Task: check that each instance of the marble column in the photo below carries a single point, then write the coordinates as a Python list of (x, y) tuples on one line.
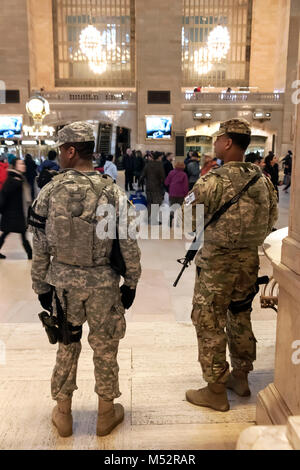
[(158, 65), (282, 398)]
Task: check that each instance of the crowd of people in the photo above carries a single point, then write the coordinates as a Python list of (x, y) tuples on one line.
[(270, 166), (154, 172), (18, 188)]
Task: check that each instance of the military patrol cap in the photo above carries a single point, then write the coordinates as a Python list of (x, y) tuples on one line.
[(80, 131), (235, 126)]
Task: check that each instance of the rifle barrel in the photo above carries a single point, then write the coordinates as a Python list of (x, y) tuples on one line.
[(180, 274)]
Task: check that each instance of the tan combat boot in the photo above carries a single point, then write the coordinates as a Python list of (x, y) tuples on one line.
[(62, 417), (238, 382), (109, 416), (213, 396)]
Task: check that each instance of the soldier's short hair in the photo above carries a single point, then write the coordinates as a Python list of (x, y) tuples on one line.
[(84, 149), (240, 140)]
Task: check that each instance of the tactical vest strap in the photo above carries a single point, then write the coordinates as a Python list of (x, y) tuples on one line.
[(36, 220)]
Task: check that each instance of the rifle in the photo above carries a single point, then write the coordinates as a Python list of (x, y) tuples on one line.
[(191, 253), (187, 260)]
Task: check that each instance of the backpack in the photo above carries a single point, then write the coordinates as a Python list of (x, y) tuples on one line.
[(72, 220)]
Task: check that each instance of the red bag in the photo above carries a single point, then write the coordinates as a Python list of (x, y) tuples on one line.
[(3, 173)]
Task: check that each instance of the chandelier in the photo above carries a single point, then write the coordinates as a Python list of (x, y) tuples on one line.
[(99, 49), (91, 49), (90, 41), (201, 61), (218, 43), (215, 50)]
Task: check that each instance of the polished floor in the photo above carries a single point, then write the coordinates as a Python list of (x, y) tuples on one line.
[(157, 358)]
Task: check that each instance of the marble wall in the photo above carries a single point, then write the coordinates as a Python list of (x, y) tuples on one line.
[(269, 44), (40, 32), (158, 63), (14, 52)]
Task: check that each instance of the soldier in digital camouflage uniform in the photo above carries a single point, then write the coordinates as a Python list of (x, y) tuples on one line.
[(227, 266), (68, 254)]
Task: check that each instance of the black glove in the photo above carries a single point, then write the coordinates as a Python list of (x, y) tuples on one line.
[(46, 300), (127, 296)]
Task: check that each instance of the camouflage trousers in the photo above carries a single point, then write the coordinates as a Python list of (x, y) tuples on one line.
[(104, 313), (222, 279)]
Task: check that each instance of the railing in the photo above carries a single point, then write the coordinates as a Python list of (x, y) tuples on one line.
[(263, 98), (90, 97)]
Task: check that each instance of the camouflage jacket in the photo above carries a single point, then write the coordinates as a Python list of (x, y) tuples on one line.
[(246, 224), (47, 266)]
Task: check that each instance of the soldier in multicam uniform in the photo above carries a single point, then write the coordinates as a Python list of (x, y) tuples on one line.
[(68, 255), (227, 266)]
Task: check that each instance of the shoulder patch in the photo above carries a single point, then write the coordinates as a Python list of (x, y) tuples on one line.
[(189, 199)]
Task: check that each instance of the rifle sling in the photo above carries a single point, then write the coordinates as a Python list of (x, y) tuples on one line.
[(232, 201)]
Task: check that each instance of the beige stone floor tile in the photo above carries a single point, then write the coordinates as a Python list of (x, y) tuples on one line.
[(25, 418), (221, 436), (153, 296), (161, 400)]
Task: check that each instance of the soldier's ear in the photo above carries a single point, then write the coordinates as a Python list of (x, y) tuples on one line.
[(228, 144), (71, 152)]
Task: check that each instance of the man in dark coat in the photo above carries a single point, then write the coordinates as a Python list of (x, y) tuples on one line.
[(193, 169), (168, 163), (155, 175), (31, 173), (13, 199), (128, 163), (139, 164)]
